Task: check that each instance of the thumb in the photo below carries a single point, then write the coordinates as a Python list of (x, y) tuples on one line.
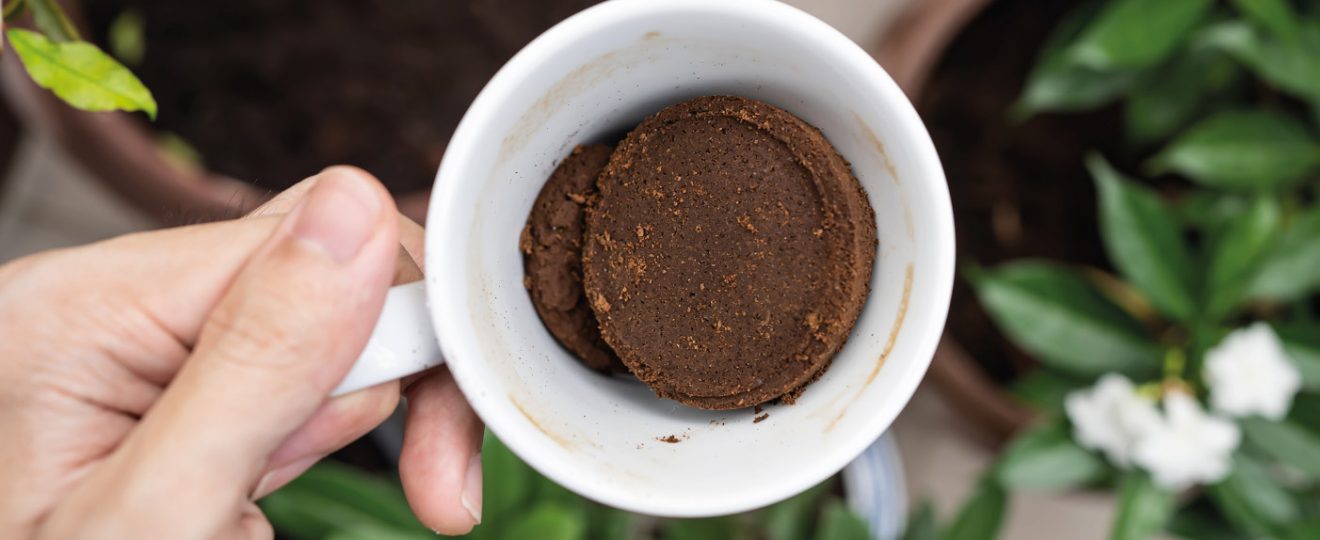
[(284, 334)]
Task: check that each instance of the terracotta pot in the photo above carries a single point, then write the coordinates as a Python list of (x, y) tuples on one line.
[(120, 152), (910, 52)]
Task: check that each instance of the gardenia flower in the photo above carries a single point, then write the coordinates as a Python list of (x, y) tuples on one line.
[(1111, 417), (1188, 446), (1249, 373)]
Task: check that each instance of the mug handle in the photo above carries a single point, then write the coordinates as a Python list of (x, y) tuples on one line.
[(402, 343)]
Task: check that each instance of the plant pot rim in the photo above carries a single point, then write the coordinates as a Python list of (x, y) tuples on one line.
[(910, 52)]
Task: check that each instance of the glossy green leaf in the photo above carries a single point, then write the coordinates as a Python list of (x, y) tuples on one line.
[(1301, 340), (1252, 500), (1167, 99), (1288, 271), (1287, 65), (507, 481), (333, 497), (921, 523), (546, 521), (1237, 254), (1143, 508), (1137, 33), (1060, 318), (1143, 240), (837, 522), (369, 494), (1287, 442), (1045, 457), (1243, 150), (1058, 83), (80, 74), (791, 519), (981, 515), (1046, 389), (1277, 16)]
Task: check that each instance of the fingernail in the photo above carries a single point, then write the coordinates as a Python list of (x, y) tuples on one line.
[(339, 215), (275, 479), (471, 496)]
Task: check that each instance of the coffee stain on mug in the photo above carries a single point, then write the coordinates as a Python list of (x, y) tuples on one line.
[(575, 82), (566, 443), (888, 164), (889, 344)]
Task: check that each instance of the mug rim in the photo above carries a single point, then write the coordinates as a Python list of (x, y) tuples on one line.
[(459, 348)]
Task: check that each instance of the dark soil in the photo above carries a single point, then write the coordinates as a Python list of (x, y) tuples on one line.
[(1019, 190), (271, 91)]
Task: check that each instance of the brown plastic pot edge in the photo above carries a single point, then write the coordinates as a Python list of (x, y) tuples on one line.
[(909, 52)]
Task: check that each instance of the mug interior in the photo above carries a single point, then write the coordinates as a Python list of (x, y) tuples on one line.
[(591, 79)]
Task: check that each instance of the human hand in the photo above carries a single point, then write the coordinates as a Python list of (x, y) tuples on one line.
[(154, 385)]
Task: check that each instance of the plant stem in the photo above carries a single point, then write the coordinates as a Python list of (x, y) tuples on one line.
[(14, 8), (52, 21), (1175, 362)]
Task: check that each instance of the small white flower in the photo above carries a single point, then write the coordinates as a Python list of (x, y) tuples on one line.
[(1249, 373), (1111, 417), (1188, 447)]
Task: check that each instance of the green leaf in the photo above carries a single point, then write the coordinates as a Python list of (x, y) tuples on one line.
[(1055, 315), (332, 497), (1243, 150), (80, 74), (1143, 240), (1306, 411), (921, 523), (1273, 15), (791, 519), (1045, 457), (1301, 340), (1287, 65), (1045, 389), (1304, 530), (981, 515), (52, 21), (507, 481), (1286, 442), (606, 523), (1167, 99), (1057, 83), (1143, 508), (374, 532), (1237, 253), (1289, 269), (1252, 500), (372, 495), (720, 528), (837, 522), (1209, 209), (1137, 33), (547, 521)]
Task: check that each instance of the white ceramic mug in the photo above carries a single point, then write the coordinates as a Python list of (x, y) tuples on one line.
[(592, 78)]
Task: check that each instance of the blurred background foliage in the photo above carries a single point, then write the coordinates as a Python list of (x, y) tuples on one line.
[(338, 501), (1217, 229)]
